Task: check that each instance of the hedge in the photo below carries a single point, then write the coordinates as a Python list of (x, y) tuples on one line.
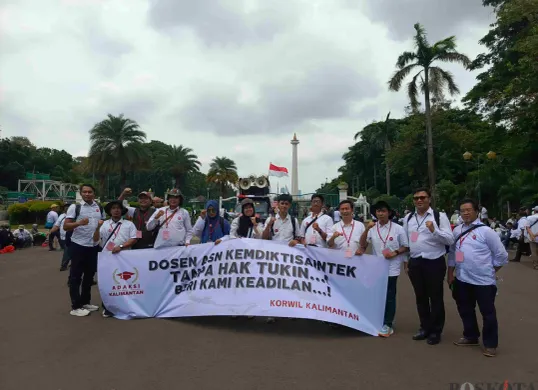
[(33, 211)]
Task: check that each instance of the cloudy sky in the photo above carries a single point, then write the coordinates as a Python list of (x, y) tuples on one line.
[(231, 78)]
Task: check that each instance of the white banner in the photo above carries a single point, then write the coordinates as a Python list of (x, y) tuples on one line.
[(246, 277)]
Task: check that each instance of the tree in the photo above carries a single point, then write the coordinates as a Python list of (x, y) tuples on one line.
[(116, 146), (433, 80), (177, 161), (223, 173)]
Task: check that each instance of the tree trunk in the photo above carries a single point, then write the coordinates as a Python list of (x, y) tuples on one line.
[(387, 166), (429, 137), (123, 178), (375, 176)]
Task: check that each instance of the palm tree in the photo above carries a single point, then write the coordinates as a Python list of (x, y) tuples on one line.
[(223, 173), (380, 138), (116, 146), (433, 80), (177, 161)]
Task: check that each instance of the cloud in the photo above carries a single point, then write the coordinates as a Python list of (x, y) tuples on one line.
[(223, 21), (441, 18)]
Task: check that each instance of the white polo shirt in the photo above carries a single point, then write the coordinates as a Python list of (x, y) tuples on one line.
[(428, 245), (351, 235), (176, 231), (60, 224), (123, 233), (390, 236), (83, 235), (283, 228), (307, 231)]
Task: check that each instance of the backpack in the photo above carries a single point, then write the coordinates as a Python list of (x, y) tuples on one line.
[(436, 217), (77, 213), (294, 222)]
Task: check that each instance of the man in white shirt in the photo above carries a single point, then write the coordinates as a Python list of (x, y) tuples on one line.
[(116, 234), (282, 227), (523, 243), (52, 217), (315, 226), (59, 226), (388, 240), (82, 220), (23, 238), (429, 233), (532, 236), (173, 222), (337, 216), (483, 214), (346, 234), (476, 256)]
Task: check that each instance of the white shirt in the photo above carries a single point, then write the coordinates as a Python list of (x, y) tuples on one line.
[(428, 245), (251, 233), (312, 237), (390, 236), (176, 231), (124, 232), (484, 213), (24, 234), (60, 224), (52, 217), (283, 228), (522, 227), (482, 251), (351, 233), (533, 219), (83, 235)]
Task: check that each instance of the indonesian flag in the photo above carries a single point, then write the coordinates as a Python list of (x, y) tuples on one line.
[(277, 171)]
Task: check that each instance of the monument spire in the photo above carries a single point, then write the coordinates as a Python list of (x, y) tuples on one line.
[(294, 167)]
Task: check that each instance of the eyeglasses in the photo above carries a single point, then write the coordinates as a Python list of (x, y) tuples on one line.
[(211, 211), (420, 197)]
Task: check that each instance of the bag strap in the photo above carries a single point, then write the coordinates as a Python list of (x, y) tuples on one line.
[(467, 231), (311, 223), (535, 222), (113, 231)]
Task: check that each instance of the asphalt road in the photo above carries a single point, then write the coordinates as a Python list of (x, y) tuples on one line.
[(42, 347)]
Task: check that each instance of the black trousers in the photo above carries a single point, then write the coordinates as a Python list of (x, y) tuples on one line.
[(467, 296), (427, 277), (390, 304), (82, 271), (51, 239), (522, 247)]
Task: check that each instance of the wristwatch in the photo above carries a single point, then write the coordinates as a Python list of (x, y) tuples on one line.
[(121, 246)]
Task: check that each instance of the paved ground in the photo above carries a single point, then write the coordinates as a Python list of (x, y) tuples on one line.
[(42, 347)]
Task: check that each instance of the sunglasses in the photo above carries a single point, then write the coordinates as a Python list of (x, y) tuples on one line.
[(420, 197)]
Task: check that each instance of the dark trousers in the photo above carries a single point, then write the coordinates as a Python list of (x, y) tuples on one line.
[(522, 247), (82, 271), (51, 238), (427, 277), (65, 257), (467, 296), (390, 304)]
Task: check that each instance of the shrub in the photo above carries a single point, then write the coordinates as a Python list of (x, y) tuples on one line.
[(34, 211), (18, 213), (134, 204)]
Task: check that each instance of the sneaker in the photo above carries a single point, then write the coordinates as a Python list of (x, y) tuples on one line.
[(90, 307), (386, 331), (80, 312), (490, 352), (107, 314), (270, 320)]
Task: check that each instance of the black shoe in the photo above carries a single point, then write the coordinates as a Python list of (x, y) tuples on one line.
[(434, 339), (94, 283), (63, 269), (420, 335)]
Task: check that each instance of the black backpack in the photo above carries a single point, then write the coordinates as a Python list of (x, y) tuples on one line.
[(293, 223), (70, 233), (436, 217)]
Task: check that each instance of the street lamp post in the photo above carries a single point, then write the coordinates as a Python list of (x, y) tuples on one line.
[(467, 156)]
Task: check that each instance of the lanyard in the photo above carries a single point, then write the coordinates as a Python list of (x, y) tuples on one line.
[(166, 218), (115, 231), (423, 219), (463, 237), (388, 234), (350, 235), (141, 220)]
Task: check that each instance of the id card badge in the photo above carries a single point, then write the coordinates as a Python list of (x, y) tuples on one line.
[(386, 251), (459, 257), (414, 236), (110, 246), (138, 234), (166, 234), (312, 240), (349, 253)]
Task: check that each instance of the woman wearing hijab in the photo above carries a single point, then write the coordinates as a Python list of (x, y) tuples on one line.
[(210, 226), (247, 225)]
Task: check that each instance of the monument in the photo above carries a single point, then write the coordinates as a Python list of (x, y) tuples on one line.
[(294, 167)]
